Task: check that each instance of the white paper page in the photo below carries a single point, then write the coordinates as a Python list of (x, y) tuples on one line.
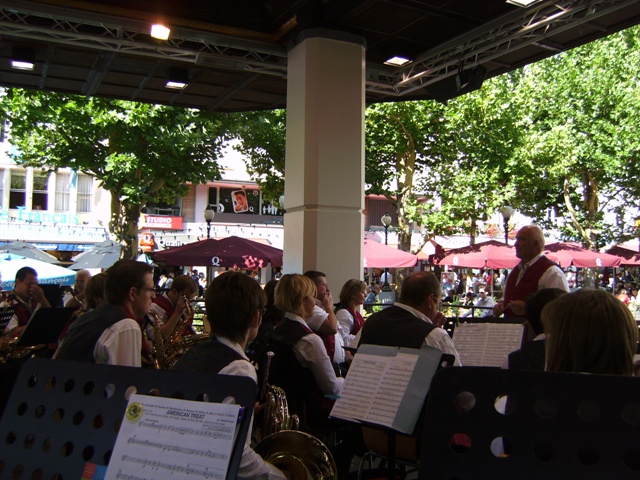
[(178, 439), (374, 388), (486, 344)]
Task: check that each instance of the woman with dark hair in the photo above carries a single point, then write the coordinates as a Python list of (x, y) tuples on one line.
[(350, 320)]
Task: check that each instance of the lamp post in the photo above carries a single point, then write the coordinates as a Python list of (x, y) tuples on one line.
[(209, 214), (506, 212), (386, 223)]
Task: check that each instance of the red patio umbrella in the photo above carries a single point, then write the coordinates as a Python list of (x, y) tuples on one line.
[(377, 255), (566, 254), (227, 252), (490, 254), (630, 258)]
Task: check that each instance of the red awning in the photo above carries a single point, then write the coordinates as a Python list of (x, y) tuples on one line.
[(377, 255)]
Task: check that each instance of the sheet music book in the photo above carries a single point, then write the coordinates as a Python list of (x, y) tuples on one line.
[(487, 344), (6, 314), (387, 386), (171, 438), (45, 325)]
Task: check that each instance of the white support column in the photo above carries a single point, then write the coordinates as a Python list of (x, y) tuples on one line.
[(324, 173)]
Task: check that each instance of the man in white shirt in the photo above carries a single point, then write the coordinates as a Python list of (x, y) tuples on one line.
[(111, 334), (414, 320), (237, 303)]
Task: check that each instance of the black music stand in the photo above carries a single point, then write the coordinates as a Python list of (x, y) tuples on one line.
[(557, 425), (45, 326), (6, 314), (63, 417)]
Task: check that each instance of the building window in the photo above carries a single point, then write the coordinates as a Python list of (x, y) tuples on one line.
[(62, 192), (85, 193), (40, 191), (18, 192)]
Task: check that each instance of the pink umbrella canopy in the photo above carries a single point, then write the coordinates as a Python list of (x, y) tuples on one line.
[(490, 254), (227, 252), (629, 258), (566, 254), (377, 255)]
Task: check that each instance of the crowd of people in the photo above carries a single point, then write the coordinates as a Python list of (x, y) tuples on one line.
[(314, 336)]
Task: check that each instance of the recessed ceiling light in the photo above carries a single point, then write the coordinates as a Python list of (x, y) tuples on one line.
[(175, 85), (522, 3), (177, 78), (397, 61), (160, 31), (23, 58), (21, 65)]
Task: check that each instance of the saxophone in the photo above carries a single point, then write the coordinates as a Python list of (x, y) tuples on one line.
[(158, 354), (178, 343)]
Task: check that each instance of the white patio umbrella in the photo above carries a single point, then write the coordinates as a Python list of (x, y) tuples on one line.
[(101, 255), (47, 272), (28, 250)]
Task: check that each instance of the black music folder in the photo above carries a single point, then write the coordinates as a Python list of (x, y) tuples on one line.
[(45, 326), (6, 313)]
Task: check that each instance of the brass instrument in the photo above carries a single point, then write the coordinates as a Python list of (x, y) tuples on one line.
[(299, 454), (276, 412), (9, 351), (167, 352)]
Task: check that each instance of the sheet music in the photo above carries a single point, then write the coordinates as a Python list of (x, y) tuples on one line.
[(486, 344), (387, 386), (169, 438)]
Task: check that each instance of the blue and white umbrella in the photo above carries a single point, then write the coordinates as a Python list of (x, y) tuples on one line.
[(47, 273), (27, 250)]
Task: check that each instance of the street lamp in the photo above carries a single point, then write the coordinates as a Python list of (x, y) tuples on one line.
[(386, 223), (209, 213), (506, 212)]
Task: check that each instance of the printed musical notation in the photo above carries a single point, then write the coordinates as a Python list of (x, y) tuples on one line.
[(487, 344), (164, 437), (386, 386)]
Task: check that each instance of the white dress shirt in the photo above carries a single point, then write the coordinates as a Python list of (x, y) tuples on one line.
[(311, 354), (252, 466), (437, 338)]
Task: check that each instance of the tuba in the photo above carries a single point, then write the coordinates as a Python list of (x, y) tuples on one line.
[(276, 410), (300, 455)]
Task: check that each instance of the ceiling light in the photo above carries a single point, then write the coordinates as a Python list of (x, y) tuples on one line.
[(177, 78), (160, 31), (522, 3), (397, 61), (23, 59)]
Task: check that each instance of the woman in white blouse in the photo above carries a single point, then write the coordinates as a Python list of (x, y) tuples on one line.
[(350, 319)]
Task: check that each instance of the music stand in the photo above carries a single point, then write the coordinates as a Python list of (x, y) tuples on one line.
[(6, 314), (45, 326), (556, 425), (63, 417)]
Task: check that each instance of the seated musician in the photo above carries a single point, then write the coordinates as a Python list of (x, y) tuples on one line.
[(301, 365), (110, 334), (170, 308), (27, 295), (236, 302), (75, 298), (414, 320)]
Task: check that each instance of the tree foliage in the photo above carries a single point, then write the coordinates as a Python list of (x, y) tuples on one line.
[(581, 153), (138, 152)]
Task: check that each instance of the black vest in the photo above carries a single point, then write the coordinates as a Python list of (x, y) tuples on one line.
[(210, 356), (298, 383), (395, 327), (80, 341)]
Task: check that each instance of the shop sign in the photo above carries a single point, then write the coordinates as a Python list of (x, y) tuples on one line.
[(39, 216), (161, 222)]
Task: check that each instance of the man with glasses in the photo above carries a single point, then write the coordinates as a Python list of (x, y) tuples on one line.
[(412, 321), (237, 304), (111, 334)]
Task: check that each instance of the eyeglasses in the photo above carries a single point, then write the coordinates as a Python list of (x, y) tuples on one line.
[(148, 289)]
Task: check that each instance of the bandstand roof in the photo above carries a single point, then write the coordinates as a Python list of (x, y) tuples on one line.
[(235, 51)]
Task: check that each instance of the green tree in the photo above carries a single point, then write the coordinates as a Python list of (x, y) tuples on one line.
[(582, 153), (262, 139), (138, 152)]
